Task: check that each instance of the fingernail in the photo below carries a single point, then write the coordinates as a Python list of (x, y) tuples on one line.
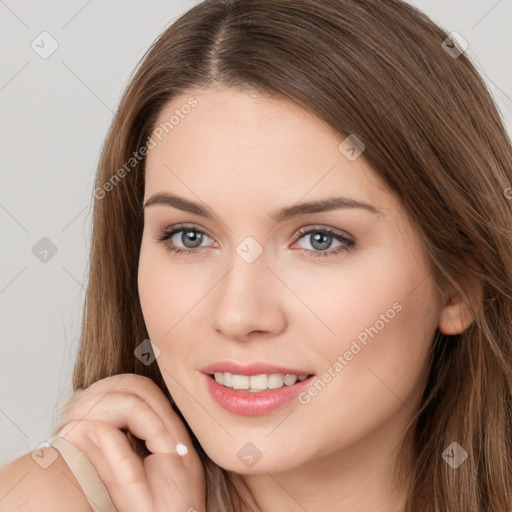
[(181, 449)]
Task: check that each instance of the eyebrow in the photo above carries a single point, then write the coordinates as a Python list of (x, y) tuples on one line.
[(281, 215)]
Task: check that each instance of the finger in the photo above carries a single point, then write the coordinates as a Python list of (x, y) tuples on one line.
[(117, 465), (147, 390), (126, 411), (173, 487)]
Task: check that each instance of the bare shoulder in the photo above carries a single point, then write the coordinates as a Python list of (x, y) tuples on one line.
[(27, 485)]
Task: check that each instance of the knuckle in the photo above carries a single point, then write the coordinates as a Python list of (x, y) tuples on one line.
[(125, 381), (135, 378), (133, 405), (141, 381)]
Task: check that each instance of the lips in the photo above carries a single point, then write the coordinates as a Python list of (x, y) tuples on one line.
[(245, 403), (255, 368)]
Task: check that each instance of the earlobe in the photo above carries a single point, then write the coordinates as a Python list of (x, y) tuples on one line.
[(455, 319), (457, 315)]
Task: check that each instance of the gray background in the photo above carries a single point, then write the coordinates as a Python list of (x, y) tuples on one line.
[(54, 114)]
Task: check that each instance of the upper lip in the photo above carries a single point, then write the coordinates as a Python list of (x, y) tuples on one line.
[(255, 368)]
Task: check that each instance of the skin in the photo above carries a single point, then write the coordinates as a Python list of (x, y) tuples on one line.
[(245, 155), (94, 421)]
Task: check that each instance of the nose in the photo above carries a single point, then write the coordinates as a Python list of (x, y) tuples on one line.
[(248, 301)]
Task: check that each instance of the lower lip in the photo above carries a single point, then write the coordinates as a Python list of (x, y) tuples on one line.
[(246, 403)]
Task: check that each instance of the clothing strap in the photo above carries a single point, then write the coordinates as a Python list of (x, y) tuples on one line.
[(93, 487)]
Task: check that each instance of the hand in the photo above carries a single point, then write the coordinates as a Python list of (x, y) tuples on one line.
[(162, 481)]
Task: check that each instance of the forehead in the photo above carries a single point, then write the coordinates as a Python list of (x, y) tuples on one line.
[(247, 148)]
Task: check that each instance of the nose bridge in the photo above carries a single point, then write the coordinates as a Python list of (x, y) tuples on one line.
[(247, 279), (247, 299)]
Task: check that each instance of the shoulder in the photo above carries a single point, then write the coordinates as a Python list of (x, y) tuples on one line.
[(48, 484)]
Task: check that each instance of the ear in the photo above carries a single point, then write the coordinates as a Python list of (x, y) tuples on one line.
[(457, 315)]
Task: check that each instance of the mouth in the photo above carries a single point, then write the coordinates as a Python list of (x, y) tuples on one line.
[(257, 383), (251, 395)]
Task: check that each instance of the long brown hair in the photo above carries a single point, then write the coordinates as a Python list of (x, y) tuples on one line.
[(380, 70)]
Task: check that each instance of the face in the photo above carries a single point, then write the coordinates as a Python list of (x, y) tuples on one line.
[(342, 293)]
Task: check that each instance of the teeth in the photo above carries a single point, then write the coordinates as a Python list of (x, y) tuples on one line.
[(290, 379), (258, 381), (275, 380), (228, 379), (255, 383), (240, 382)]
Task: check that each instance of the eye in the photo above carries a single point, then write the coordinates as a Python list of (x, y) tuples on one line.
[(323, 238), (192, 237)]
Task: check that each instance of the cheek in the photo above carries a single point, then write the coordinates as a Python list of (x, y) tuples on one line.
[(376, 290), (379, 305), (153, 293), (166, 291), (171, 303), (384, 319)]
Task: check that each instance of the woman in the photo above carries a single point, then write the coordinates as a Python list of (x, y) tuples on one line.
[(305, 206)]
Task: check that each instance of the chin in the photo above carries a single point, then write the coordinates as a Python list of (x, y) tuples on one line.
[(249, 460)]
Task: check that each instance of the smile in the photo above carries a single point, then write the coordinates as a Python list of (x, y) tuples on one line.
[(255, 402), (257, 383)]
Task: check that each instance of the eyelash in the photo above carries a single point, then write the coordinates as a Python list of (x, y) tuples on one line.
[(347, 244)]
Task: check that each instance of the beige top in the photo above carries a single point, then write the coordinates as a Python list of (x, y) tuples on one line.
[(93, 487)]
